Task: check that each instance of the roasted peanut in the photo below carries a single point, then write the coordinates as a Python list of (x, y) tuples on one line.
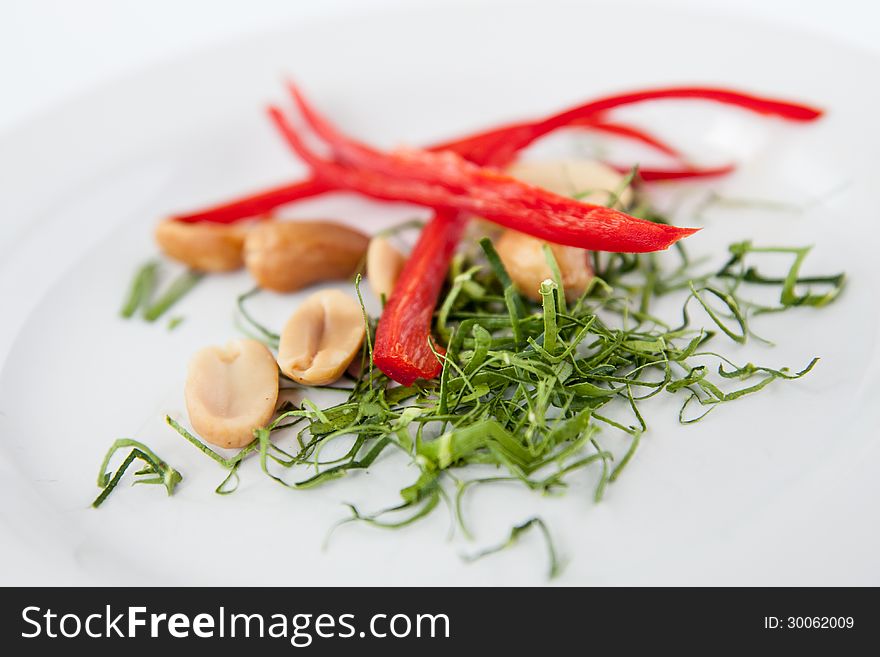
[(230, 391), (203, 246), (572, 178), (523, 257), (291, 255), (321, 338), (384, 262)]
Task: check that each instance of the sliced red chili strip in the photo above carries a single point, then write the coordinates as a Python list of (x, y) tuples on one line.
[(256, 204), (266, 201), (490, 194), (656, 175), (505, 142), (402, 349), (445, 180)]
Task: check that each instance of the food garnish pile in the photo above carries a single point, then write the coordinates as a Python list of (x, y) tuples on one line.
[(518, 330)]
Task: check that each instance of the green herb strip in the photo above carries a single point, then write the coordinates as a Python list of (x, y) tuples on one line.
[(141, 289), (161, 472), (179, 288)]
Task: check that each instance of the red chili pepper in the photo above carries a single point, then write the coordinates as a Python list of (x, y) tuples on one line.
[(505, 142), (257, 204), (402, 349), (445, 180), (500, 145), (657, 175), (402, 341), (264, 202)]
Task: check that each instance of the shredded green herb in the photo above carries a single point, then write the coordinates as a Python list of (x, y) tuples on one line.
[(528, 389), (514, 536), (155, 470), (251, 327)]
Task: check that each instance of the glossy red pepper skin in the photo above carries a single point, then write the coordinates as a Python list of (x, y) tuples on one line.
[(402, 349), (446, 180)]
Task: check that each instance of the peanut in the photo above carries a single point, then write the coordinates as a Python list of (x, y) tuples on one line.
[(321, 338), (384, 263), (203, 246), (230, 391), (573, 178), (523, 255), (289, 256)]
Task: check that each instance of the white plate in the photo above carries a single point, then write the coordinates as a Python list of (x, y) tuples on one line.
[(774, 489)]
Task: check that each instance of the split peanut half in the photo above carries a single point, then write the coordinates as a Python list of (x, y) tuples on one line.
[(230, 391), (321, 338), (291, 255)]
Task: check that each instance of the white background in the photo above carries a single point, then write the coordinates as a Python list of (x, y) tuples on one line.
[(52, 49)]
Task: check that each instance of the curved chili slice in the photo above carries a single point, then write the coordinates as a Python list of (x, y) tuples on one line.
[(649, 174), (506, 141), (402, 349)]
